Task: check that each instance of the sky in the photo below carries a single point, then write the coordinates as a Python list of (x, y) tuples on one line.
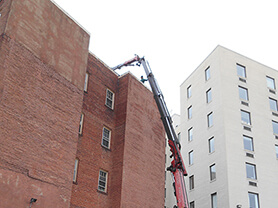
[(176, 36)]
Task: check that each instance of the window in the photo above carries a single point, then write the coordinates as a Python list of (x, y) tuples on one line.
[(276, 150), (102, 181), (86, 82), (207, 73), (245, 117), (248, 143), (191, 182), (106, 135), (241, 70), (190, 156), (189, 112), (81, 124), (109, 99), (179, 136), (208, 95), (270, 83), (211, 145), (192, 204), (214, 200), (189, 92), (253, 200), (75, 170), (243, 93), (210, 120), (212, 172), (273, 104), (190, 134), (251, 171), (275, 127)]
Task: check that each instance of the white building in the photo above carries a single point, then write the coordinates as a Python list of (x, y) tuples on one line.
[(229, 133)]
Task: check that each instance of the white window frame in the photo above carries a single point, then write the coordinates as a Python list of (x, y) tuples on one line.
[(250, 139), (189, 91), (207, 73), (241, 67), (269, 82), (252, 168), (211, 147), (209, 95), (109, 99), (275, 127), (212, 172), (191, 182), (242, 113), (256, 197), (86, 82), (75, 172), (210, 119), (190, 134), (103, 176), (105, 138), (213, 200), (190, 157), (275, 104), (81, 124), (189, 112), (245, 90)]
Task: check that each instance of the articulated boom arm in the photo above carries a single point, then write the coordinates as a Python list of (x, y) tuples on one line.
[(177, 167)]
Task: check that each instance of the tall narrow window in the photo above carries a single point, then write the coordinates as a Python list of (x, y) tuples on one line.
[(210, 119), (275, 127), (245, 117), (190, 156), (106, 135), (81, 124), (243, 93), (207, 73), (270, 83), (191, 182), (214, 200), (276, 150), (248, 143), (192, 204), (109, 99), (212, 171), (102, 181), (179, 136), (190, 134), (241, 70), (208, 95), (189, 92), (251, 171), (273, 104), (75, 170), (86, 82), (211, 145), (189, 112), (253, 200)]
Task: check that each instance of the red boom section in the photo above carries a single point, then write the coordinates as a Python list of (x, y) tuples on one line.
[(179, 184)]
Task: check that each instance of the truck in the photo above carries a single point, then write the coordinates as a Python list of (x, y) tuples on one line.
[(177, 167)]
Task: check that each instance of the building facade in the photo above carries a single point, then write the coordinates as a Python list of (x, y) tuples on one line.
[(229, 128), (73, 132)]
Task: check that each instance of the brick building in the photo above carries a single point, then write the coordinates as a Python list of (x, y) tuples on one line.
[(116, 156)]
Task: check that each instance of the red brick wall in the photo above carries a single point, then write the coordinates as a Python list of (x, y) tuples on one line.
[(40, 103), (144, 147), (51, 35), (135, 161), (91, 154)]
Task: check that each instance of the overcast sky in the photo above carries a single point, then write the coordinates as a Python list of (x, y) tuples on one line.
[(176, 36)]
